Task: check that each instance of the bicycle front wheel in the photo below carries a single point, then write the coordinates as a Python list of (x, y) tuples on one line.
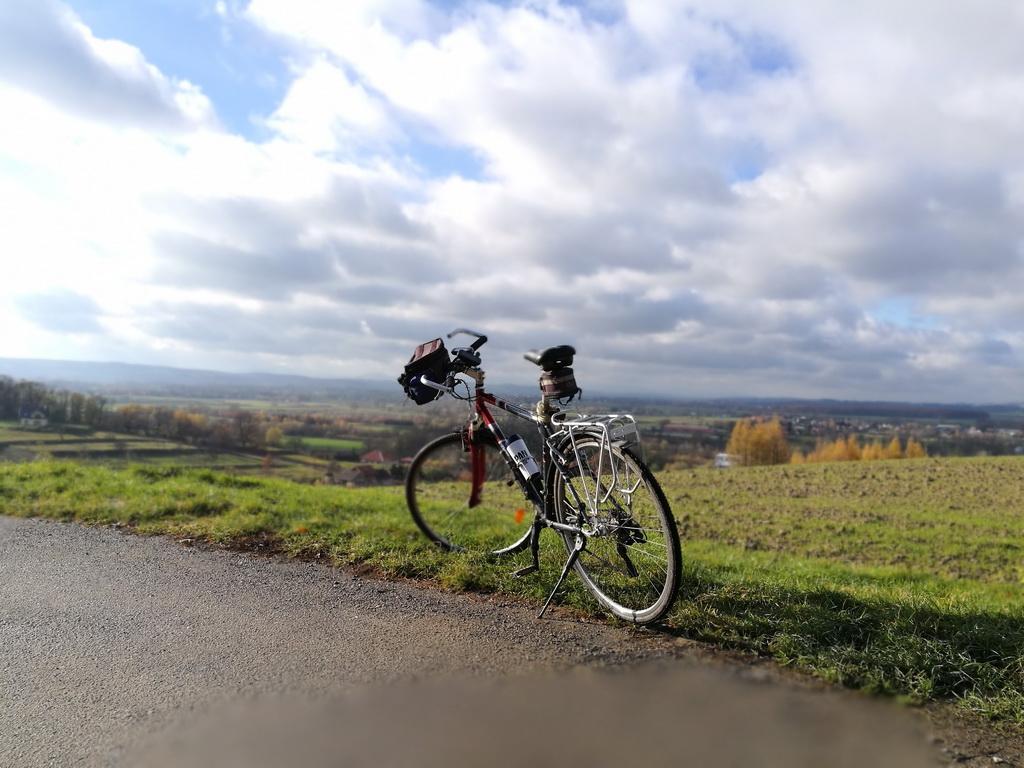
[(631, 558), (490, 515)]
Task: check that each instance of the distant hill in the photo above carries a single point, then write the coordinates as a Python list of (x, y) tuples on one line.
[(69, 373), (854, 409), (118, 378)]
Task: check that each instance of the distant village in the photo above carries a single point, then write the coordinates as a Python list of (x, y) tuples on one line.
[(933, 434)]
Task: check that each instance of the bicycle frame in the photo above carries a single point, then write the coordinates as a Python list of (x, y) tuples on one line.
[(481, 400), (613, 428)]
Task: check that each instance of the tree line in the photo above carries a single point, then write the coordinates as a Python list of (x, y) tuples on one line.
[(759, 443), (63, 406), (850, 449), (228, 428)]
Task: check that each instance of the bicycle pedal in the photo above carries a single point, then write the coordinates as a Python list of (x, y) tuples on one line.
[(526, 571)]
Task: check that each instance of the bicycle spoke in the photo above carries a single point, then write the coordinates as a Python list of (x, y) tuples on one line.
[(647, 554), (647, 557), (593, 555), (654, 584)]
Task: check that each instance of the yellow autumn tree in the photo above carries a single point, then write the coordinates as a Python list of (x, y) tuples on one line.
[(739, 441), (872, 452), (853, 452), (915, 450), (894, 451), (758, 444), (841, 449)]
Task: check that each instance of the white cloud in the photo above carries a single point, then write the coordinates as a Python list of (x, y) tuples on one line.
[(47, 50), (349, 121)]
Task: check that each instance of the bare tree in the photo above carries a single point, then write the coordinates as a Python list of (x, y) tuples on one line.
[(247, 428)]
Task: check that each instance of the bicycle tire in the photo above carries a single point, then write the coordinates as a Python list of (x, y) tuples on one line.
[(438, 489), (632, 527)]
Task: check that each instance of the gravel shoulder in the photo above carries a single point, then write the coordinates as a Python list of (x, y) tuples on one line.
[(120, 650)]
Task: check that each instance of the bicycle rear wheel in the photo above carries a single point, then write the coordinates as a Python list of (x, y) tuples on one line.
[(631, 559), (439, 488)]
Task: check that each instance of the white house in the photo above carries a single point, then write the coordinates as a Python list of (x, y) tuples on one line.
[(34, 416), (723, 460)]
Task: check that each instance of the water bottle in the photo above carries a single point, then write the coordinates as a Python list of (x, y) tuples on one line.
[(516, 446)]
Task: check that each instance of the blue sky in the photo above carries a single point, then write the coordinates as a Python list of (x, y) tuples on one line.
[(242, 70), (706, 197)]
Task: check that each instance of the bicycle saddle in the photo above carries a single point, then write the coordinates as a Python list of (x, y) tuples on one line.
[(552, 358)]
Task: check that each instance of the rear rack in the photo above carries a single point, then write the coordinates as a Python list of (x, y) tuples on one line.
[(620, 429), (614, 429)]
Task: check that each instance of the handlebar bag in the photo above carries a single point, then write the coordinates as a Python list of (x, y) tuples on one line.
[(430, 358)]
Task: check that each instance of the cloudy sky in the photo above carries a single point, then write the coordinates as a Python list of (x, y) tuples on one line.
[(705, 197)]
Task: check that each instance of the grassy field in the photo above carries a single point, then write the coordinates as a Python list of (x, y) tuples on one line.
[(327, 444), (111, 449), (900, 577)]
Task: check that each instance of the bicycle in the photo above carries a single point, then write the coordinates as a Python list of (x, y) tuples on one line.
[(466, 490)]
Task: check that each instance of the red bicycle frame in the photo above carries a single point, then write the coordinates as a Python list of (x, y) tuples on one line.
[(477, 453)]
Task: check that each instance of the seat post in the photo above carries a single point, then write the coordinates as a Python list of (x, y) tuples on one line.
[(546, 408)]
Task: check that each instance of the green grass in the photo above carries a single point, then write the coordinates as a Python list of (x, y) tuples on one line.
[(327, 444), (308, 461), (902, 578), (115, 450), (950, 518), (14, 434)]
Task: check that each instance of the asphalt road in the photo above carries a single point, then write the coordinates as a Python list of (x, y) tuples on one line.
[(118, 650)]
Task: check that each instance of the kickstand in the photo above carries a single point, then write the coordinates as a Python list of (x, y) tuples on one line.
[(534, 565), (573, 557)]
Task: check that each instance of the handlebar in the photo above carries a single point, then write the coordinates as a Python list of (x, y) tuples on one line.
[(434, 385), (480, 338)]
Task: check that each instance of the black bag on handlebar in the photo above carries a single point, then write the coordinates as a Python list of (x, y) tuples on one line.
[(431, 359)]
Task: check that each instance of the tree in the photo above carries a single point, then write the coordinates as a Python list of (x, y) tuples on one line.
[(841, 449), (93, 409), (30, 393), (163, 421), (873, 452), (76, 408), (893, 451), (739, 441), (758, 444), (853, 452), (247, 425), (59, 403), (274, 436), (8, 398), (132, 416), (915, 450), (189, 427)]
